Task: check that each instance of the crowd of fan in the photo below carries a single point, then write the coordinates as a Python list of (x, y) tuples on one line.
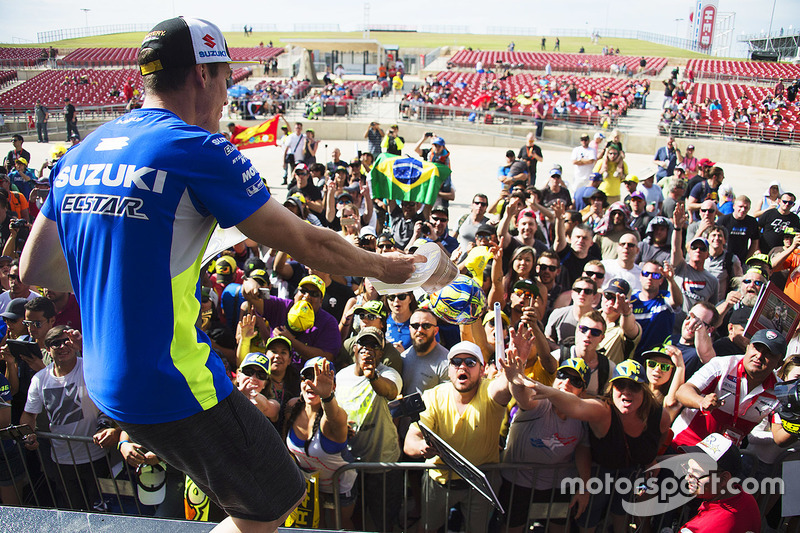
[(625, 300)]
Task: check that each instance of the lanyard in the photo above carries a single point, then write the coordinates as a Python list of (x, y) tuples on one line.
[(740, 374)]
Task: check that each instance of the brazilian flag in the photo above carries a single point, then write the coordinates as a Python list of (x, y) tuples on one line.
[(407, 178)]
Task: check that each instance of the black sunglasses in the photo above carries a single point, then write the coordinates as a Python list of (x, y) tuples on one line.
[(400, 297), (593, 274), (594, 332), (573, 379), (584, 290), (250, 371), (699, 247), (311, 292), (367, 316), (422, 325), (551, 268), (469, 362), (57, 343)]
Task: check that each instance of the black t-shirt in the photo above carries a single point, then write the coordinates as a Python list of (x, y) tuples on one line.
[(725, 346), (549, 197), (772, 225), (740, 234), (572, 265), (526, 153), (310, 191), (403, 229), (336, 296), (508, 253)]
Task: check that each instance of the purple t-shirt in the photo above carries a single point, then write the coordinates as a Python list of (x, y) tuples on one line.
[(324, 334)]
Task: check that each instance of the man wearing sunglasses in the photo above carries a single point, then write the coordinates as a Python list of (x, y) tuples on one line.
[(18, 288), (708, 217), (302, 183), (774, 221), (365, 390), (623, 333), (470, 223), (467, 413), (624, 265), (590, 332), (696, 283), (320, 340), (560, 328), (59, 391), (425, 361), (653, 308)]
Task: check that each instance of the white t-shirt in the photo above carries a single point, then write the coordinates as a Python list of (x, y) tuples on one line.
[(581, 172), (614, 270), (69, 410), (296, 144), (6, 298)]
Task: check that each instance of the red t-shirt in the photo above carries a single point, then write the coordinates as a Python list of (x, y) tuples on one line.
[(737, 514)]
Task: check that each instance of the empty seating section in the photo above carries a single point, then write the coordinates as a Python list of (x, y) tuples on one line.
[(22, 57), (722, 69), (126, 57), (255, 53), (52, 86), (470, 87), (7, 76), (240, 74), (738, 97), (101, 57), (558, 62)]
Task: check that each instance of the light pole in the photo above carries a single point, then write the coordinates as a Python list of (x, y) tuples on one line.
[(86, 14), (677, 26)]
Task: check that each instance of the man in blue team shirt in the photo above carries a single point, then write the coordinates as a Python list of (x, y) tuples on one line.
[(154, 183), (653, 308)]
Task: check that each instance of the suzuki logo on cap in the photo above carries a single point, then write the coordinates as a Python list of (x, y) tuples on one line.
[(209, 40)]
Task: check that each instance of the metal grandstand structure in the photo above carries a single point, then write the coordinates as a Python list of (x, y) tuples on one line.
[(785, 43)]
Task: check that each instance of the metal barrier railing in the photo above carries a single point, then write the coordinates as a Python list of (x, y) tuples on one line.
[(101, 486), (90, 486), (541, 512), (729, 131)]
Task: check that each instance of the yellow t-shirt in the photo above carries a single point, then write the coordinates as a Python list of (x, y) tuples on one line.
[(611, 183), (474, 434)]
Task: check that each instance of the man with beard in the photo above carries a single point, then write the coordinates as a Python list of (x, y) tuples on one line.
[(743, 230), (747, 288), (653, 308), (425, 361), (548, 268), (614, 225), (467, 413), (656, 243), (574, 257), (731, 395)]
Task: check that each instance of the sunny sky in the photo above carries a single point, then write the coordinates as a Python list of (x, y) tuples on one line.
[(22, 20)]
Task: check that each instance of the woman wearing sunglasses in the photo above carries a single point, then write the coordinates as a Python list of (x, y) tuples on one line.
[(252, 378), (398, 331), (665, 374), (568, 456), (317, 436), (626, 428)]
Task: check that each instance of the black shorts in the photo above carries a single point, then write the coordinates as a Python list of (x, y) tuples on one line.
[(233, 453)]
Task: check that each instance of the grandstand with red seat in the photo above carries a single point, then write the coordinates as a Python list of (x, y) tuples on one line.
[(730, 69), (22, 57), (558, 62)]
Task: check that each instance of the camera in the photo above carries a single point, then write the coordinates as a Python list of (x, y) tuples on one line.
[(428, 134), (412, 405), (789, 397), (426, 230), (17, 223)]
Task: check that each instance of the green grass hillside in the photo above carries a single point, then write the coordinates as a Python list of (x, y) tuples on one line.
[(408, 40)]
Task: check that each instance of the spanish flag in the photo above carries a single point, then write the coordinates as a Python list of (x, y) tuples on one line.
[(264, 134), (406, 179)]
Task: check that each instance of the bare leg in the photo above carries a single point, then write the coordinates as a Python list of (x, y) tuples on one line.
[(238, 525)]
